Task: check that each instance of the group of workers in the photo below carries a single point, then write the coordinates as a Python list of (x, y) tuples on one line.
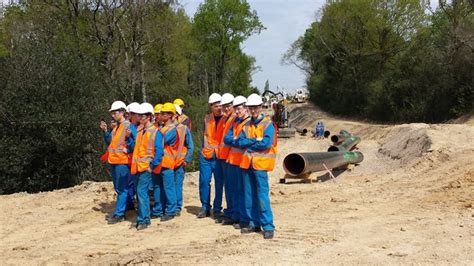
[(149, 148)]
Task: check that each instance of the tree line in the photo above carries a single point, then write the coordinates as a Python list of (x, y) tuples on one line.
[(62, 63), (390, 60)]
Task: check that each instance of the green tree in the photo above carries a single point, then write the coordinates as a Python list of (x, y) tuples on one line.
[(220, 27), (389, 60)]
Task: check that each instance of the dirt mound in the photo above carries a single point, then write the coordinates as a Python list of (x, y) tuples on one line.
[(406, 142)]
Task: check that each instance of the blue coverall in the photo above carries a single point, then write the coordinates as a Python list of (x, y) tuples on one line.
[(180, 171), (234, 182), (143, 180), (206, 168), (121, 174), (164, 187), (256, 186)]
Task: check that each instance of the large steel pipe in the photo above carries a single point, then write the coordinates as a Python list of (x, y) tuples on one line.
[(296, 164), (348, 144), (302, 131), (341, 137)]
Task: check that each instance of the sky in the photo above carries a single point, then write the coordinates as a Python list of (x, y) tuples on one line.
[(285, 20)]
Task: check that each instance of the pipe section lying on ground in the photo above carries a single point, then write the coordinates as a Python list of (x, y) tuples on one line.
[(327, 133), (302, 131), (348, 144), (338, 139), (296, 164)]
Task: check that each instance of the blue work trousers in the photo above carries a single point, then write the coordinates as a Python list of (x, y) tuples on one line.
[(164, 192), (257, 199), (179, 181), (120, 176), (206, 169), (143, 180)]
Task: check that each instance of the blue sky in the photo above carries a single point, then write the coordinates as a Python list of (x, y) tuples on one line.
[(285, 21)]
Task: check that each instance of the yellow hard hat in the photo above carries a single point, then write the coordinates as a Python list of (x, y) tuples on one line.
[(179, 102), (168, 108), (158, 108)]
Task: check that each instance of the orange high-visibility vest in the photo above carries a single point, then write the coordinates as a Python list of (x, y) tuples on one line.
[(235, 153), (211, 141), (144, 151), (262, 160), (117, 148), (225, 127), (185, 120), (169, 157), (182, 150)]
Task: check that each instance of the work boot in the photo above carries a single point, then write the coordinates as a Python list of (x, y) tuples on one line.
[(249, 229), (218, 217), (115, 219), (227, 221), (267, 234), (142, 226), (178, 214), (166, 218), (203, 214), (155, 216), (237, 226)]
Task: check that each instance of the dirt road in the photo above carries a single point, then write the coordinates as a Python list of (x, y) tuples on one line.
[(410, 201)]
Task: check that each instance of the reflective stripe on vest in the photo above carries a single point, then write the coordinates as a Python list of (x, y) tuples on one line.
[(182, 151), (117, 155), (210, 143), (144, 152), (169, 152), (263, 160), (224, 148), (235, 153)]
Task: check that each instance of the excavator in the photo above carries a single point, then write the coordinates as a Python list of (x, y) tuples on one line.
[(276, 106)]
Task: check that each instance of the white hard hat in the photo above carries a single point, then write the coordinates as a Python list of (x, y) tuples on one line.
[(117, 105), (214, 98), (254, 100), (145, 108), (239, 100), (179, 111), (227, 98), (133, 107)]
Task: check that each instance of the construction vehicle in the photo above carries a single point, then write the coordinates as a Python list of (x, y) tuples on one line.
[(300, 96), (276, 106)]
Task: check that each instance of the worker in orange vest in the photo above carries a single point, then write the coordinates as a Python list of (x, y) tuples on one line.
[(183, 118), (132, 117), (259, 140), (120, 140), (234, 158), (164, 187), (184, 155), (147, 158), (224, 126), (208, 159)]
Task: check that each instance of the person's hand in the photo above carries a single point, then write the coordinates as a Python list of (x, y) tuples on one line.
[(124, 149), (139, 128), (103, 126), (148, 170), (185, 164), (128, 132)]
